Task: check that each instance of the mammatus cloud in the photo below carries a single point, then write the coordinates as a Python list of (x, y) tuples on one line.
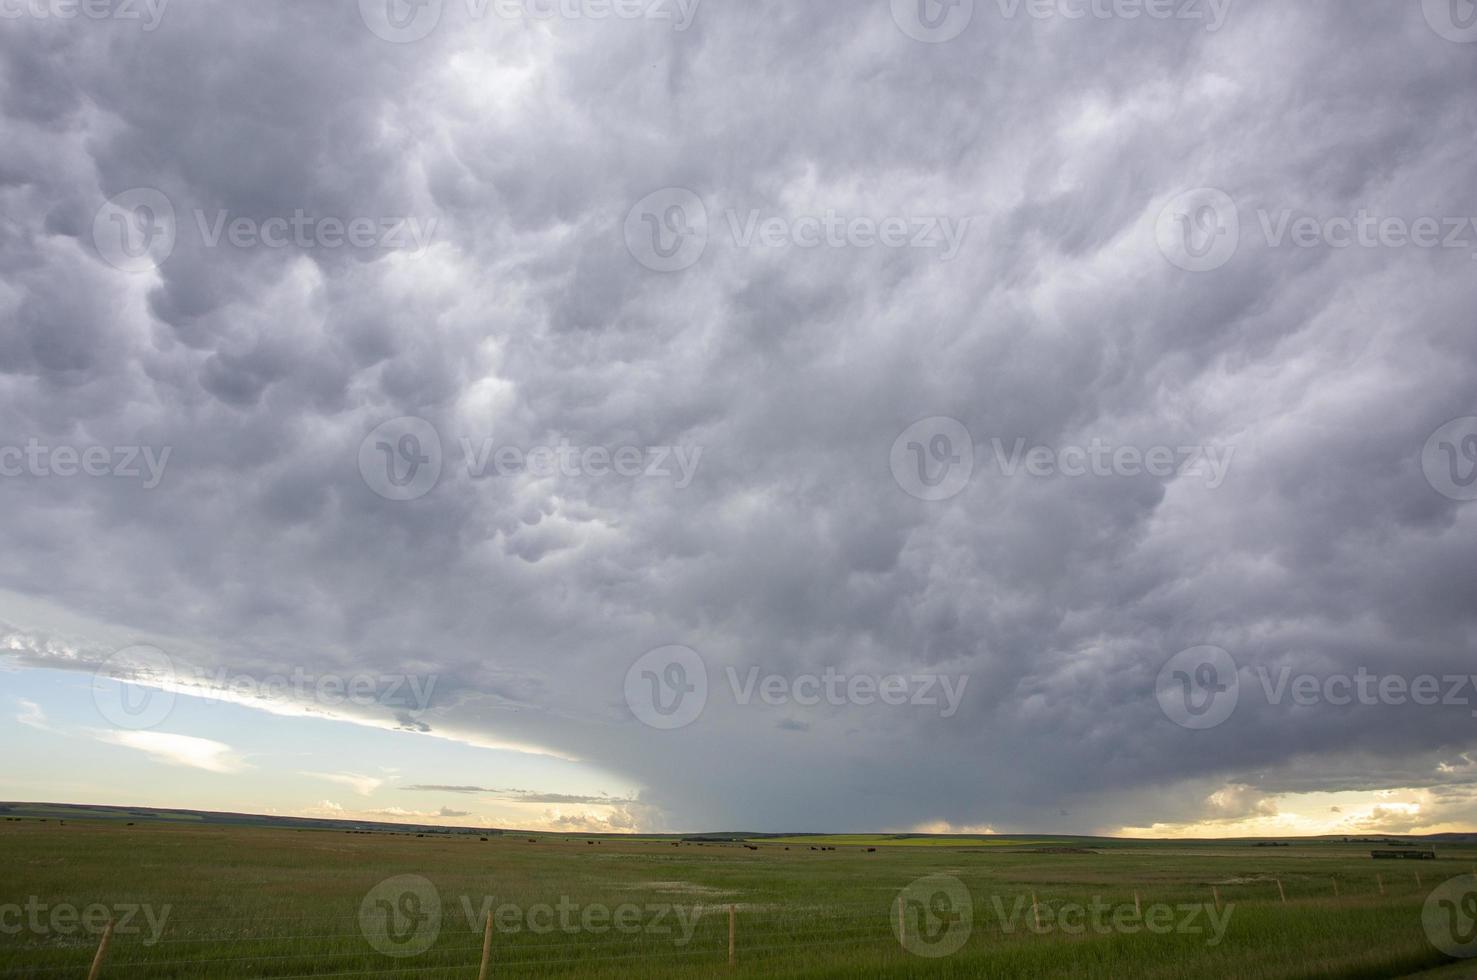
[(808, 338)]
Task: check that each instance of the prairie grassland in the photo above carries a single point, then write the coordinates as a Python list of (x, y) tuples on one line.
[(904, 840), (238, 902)]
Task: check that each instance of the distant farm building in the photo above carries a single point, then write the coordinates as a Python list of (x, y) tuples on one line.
[(1406, 855)]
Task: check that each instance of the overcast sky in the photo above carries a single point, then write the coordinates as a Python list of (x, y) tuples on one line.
[(1015, 416)]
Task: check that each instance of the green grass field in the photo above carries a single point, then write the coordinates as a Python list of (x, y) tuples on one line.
[(272, 903), (905, 840)]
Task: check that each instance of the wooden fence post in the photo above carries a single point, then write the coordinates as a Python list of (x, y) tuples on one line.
[(1418, 880), (1217, 893), (102, 951), (1335, 888), (1380, 880), (1137, 908), (1281, 892), (732, 933), (482, 974), (1036, 911), (902, 927)]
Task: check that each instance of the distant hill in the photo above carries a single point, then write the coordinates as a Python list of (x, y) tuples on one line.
[(68, 811)]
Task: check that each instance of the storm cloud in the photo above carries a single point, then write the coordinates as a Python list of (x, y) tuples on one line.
[(698, 272)]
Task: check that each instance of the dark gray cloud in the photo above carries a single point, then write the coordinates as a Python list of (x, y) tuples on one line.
[(525, 319)]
